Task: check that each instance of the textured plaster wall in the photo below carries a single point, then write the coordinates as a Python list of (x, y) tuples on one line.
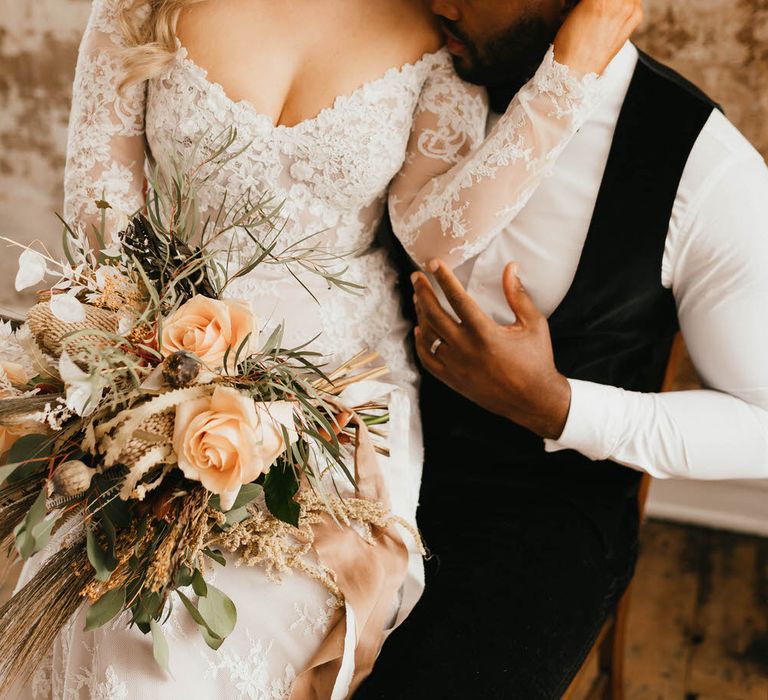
[(720, 44), (38, 47)]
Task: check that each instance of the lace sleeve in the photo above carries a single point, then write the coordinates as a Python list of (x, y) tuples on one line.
[(105, 148), (456, 191)]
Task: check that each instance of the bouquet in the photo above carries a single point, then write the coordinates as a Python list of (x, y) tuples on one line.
[(148, 427)]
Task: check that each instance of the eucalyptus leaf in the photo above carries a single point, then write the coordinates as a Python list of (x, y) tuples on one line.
[(212, 639), (218, 611), (184, 576), (191, 609), (25, 544), (33, 533), (28, 455), (103, 563), (41, 533), (248, 494), (198, 583), (233, 517), (7, 470), (105, 609), (147, 607), (216, 555), (160, 649), (36, 512)]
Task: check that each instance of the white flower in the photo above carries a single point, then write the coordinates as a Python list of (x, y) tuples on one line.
[(79, 386), (67, 308), (125, 323), (31, 269)]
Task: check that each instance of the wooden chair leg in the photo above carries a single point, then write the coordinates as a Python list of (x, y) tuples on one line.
[(615, 648)]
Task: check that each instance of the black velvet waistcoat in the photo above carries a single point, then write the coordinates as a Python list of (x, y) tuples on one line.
[(615, 325)]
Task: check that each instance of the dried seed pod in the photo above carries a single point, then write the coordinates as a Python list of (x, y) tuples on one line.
[(72, 478), (181, 369)]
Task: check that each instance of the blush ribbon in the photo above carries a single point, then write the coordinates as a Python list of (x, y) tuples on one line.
[(370, 577)]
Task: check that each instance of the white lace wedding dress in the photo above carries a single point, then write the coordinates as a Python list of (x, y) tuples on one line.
[(333, 172)]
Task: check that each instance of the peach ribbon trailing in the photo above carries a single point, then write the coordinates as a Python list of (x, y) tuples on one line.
[(369, 576)]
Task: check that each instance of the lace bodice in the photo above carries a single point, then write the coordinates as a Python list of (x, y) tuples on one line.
[(454, 189)]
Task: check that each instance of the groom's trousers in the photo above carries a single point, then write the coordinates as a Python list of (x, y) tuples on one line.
[(521, 577)]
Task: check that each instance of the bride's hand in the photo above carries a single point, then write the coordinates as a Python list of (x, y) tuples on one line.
[(594, 33)]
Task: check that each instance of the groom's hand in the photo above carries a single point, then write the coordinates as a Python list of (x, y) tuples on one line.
[(508, 370)]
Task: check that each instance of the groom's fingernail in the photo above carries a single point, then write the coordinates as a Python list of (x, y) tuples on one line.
[(414, 277), (433, 265), (515, 269)]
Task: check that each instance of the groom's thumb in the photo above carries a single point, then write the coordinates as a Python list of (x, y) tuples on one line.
[(517, 297)]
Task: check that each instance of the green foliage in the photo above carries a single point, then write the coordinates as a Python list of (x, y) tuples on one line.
[(106, 608), (215, 615), (184, 576), (34, 532), (160, 649), (216, 555), (146, 608), (248, 494), (103, 561), (218, 611), (29, 455), (280, 486), (239, 510), (198, 583)]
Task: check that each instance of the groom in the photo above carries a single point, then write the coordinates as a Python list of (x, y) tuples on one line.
[(540, 402)]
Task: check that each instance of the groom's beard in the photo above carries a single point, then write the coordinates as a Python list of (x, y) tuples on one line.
[(506, 62)]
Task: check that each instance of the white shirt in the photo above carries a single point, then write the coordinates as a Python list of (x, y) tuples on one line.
[(715, 262)]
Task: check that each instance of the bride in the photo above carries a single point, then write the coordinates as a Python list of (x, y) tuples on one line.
[(338, 105)]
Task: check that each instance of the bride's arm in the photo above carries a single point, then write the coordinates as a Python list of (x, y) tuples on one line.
[(105, 148), (458, 189)]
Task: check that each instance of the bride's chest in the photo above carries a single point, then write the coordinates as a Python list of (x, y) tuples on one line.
[(345, 156)]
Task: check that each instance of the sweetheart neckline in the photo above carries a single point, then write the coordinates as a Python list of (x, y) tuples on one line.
[(182, 56)]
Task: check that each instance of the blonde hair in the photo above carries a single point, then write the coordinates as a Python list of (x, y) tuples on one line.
[(149, 30)]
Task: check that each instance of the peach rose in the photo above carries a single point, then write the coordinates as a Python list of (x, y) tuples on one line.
[(226, 440), (208, 328), (16, 374)]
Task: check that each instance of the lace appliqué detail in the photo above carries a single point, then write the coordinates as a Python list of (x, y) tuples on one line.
[(110, 688), (481, 185), (249, 673), (313, 623), (105, 149)]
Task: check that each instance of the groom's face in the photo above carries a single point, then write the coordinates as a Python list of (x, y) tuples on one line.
[(499, 43)]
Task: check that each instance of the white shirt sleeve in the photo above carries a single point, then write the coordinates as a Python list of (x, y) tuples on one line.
[(718, 269)]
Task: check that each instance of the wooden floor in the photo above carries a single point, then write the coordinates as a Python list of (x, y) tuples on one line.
[(698, 626)]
